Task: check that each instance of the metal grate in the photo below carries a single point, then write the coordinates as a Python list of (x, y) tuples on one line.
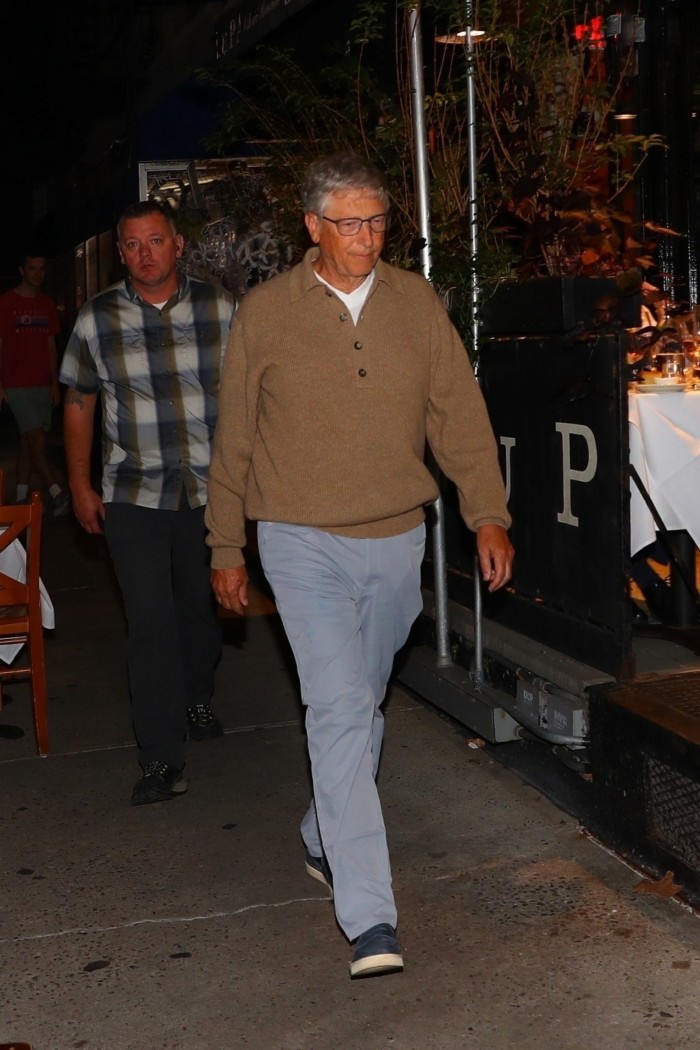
[(674, 811)]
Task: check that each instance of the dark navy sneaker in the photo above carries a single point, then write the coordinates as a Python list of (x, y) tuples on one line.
[(376, 952), (317, 868), (159, 782), (202, 723)]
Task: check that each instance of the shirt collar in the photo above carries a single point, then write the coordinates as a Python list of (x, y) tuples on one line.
[(174, 298), (303, 277)]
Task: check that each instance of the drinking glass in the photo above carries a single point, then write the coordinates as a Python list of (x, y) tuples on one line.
[(671, 366)]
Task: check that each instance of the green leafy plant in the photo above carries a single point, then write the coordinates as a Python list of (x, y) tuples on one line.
[(289, 116), (554, 170)]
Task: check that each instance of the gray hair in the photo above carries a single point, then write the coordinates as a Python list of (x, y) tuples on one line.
[(339, 173), (140, 210)]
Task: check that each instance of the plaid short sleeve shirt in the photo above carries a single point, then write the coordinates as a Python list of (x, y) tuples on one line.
[(157, 371)]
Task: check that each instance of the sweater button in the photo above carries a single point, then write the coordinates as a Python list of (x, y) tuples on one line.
[(343, 317), (358, 346), (362, 373)]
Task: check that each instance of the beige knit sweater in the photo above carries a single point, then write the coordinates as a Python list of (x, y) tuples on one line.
[(324, 423)]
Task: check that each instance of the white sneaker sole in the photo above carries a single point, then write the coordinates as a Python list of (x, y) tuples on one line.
[(372, 965)]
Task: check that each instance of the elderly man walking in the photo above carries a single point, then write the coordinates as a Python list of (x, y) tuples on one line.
[(337, 374)]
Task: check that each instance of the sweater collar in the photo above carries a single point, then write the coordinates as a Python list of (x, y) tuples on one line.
[(303, 277)]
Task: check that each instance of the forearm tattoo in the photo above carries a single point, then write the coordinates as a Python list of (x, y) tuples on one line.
[(74, 397)]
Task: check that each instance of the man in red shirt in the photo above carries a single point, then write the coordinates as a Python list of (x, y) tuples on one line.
[(29, 374)]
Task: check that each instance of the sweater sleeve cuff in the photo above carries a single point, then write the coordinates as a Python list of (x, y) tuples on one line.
[(505, 523), (226, 558)]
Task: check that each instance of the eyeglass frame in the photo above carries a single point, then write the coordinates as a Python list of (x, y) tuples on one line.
[(380, 215)]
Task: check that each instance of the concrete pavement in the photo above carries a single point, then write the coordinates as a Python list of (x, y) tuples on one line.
[(191, 924)]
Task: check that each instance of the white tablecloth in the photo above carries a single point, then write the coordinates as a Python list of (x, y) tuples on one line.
[(665, 449), (13, 562)]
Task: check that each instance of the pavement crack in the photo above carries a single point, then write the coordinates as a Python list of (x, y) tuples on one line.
[(173, 920)]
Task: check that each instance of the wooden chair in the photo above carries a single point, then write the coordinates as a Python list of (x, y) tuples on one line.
[(20, 609)]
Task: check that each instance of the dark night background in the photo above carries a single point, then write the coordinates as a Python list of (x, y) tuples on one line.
[(91, 88), (87, 94)]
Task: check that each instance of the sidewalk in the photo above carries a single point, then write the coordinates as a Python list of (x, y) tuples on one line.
[(191, 924)]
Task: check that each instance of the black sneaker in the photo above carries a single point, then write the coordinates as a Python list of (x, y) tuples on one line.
[(202, 723), (158, 783), (317, 868), (377, 951)]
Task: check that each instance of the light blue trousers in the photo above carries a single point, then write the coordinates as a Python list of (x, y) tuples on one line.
[(347, 606)]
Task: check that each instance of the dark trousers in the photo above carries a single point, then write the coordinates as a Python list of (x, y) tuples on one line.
[(162, 565)]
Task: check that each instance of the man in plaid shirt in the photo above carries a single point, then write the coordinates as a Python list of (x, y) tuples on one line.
[(150, 347)]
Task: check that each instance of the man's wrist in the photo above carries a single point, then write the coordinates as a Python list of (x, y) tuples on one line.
[(79, 486)]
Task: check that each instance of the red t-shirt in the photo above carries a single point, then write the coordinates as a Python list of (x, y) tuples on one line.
[(26, 323)]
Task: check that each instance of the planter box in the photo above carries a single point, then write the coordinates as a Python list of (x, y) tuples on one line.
[(555, 304)]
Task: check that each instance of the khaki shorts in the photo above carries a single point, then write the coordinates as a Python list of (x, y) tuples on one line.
[(31, 407)]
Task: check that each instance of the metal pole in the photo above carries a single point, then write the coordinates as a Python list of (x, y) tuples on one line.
[(420, 139), (442, 616), (422, 175), (471, 177), (478, 671)]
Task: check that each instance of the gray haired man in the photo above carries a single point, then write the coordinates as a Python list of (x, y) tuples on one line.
[(337, 374)]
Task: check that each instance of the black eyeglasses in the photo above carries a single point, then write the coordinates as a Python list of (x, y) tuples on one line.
[(350, 227)]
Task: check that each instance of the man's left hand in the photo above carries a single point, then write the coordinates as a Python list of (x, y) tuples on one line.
[(495, 555)]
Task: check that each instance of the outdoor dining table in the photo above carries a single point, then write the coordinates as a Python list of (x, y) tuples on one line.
[(664, 443)]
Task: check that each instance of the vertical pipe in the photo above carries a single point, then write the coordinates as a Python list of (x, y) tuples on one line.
[(478, 669), (420, 140), (471, 177), (442, 618)]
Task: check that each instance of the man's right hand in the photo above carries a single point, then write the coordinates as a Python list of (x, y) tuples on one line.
[(89, 509), (231, 588)]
